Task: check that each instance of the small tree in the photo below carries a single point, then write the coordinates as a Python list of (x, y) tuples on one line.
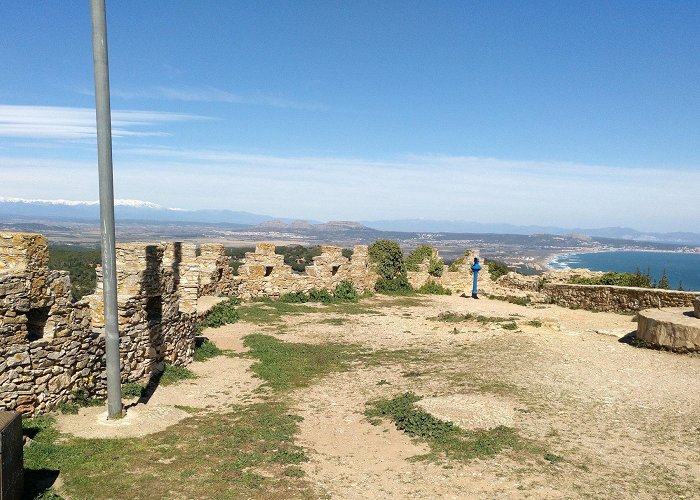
[(388, 258), (663, 281)]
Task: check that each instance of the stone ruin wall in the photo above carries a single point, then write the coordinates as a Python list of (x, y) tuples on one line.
[(459, 281), (264, 273), (50, 346)]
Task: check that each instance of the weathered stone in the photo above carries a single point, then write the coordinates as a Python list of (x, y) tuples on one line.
[(673, 328), (696, 305)]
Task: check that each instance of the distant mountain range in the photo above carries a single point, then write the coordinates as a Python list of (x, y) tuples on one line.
[(146, 211), (624, 233)]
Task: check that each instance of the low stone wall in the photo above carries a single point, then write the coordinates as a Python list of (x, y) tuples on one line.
[(615, 298), (264, 273)]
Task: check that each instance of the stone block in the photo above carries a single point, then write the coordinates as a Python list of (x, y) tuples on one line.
[(11, 456), (673, 328)]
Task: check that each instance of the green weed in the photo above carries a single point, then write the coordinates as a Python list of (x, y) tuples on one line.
[(206, 350), (444, 438), (174, 374)]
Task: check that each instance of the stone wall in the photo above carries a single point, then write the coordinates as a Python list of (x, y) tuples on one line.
[(215, 274), (264, 273), (458, 281), (615, 298), (51, 347)]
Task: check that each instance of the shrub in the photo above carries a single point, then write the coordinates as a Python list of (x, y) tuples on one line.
[(294, 298), (206, 350), (459, 261), (221, 314), (435, 267), (433, 288), (316, 295), (345, 290), (80, 262), (617, 279), (388, 258), (496, 268), (417, 256)]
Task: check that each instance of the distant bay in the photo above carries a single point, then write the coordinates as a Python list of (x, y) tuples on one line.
[(680, 267)]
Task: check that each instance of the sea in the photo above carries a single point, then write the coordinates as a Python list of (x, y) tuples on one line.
[(680, 267)]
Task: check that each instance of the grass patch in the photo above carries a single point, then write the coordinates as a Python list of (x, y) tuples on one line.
[(132, 390), (511, 325), (287, 366), (79, 398), (535, 322), (248, 453), (206, 350), (454, 317), (265, 311), (174, 374), (444, 438), (333, 321)]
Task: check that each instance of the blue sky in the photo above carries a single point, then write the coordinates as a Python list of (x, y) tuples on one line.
[(552, 113)]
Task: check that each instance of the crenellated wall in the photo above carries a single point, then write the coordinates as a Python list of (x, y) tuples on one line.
[(264, 272), (51, 347)]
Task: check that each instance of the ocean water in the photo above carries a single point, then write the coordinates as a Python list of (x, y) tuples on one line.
[(680, 267)]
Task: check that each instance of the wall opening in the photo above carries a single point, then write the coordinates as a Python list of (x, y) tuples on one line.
[(334, 270), (268, 270), (154, 309), (38, 324)]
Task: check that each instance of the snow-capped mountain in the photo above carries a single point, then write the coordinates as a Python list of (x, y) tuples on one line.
[(124, 209)]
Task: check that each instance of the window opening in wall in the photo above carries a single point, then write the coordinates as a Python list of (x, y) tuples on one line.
[(154, 309), (38, 325), (268, 270), (334, 270)]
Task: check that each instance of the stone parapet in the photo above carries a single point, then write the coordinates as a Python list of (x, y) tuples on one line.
[(616, 298)]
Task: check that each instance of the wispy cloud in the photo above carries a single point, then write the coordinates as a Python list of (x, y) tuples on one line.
[(212, 94), (53, 122), (321, 187)]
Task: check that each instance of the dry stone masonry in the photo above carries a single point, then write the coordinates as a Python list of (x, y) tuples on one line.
[(457, 281), (51, 347), (264, 273)]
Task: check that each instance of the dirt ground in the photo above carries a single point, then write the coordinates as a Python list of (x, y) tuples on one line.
[(623, 421)]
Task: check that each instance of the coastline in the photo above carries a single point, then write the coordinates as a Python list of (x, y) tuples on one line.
[(547, 260)]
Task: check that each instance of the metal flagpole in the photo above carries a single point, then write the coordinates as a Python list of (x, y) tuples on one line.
[(104, 153)]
